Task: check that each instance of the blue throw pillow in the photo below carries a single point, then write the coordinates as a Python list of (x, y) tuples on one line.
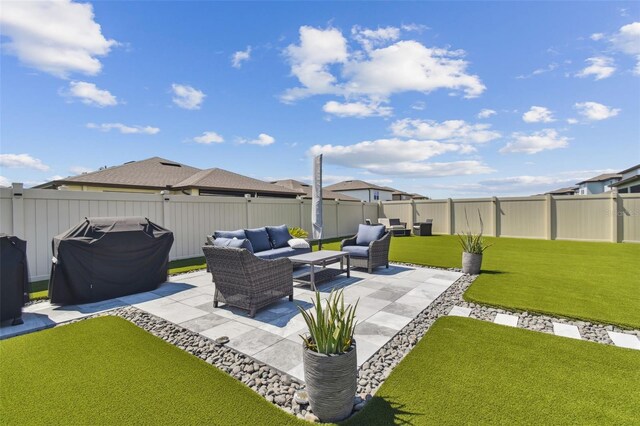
[(233, 243), (369, 233), (259, 239), (239, 234), (279, 236)]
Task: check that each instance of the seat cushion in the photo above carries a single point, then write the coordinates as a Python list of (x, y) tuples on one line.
[(234, 243), (369, 233), (357, 251), (276, 253), (279, 235), (239, 234), (259, 239)]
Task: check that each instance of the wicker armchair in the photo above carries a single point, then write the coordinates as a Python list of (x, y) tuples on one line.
[(378, 253), (246, 281)]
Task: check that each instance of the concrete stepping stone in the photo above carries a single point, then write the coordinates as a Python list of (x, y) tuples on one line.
[(459, 311), (624, 340), (566, 330), (506, 319)]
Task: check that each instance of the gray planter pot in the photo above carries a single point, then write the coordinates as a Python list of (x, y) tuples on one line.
[(331, 383), (471, 263)]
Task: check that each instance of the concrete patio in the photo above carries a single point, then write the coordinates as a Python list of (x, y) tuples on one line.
[(388, 300)]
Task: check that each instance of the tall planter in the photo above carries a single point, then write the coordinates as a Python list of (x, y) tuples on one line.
[(471, 263), (331, 382)]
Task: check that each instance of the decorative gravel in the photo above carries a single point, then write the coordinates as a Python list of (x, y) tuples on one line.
[(279, 388)]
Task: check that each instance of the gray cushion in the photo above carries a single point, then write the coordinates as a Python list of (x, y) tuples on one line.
[(239, 234), (369, 233), (281, 252), (259, 239), (234, 243), (279, 235), (357, 251)]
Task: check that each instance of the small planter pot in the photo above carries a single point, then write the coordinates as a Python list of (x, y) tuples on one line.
[(331, 383), (471, 263)]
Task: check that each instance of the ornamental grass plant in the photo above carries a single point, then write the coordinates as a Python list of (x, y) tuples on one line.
[(470, 242), (330, 328)]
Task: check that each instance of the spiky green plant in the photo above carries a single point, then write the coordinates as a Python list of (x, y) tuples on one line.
[(330, 328), (470, 242), (298, 233)]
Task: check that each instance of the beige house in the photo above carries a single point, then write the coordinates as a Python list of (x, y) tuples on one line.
[(306, 188), (158, 174), (369, 192), (629, 182)]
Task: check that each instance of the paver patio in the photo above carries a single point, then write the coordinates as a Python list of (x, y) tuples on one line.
[(388, 300)]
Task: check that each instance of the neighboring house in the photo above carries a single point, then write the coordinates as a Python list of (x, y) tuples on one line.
[(416, 196), (363, 191), (597, 185), (398, 195), (306, 188), (629, 181), (158, 174), (571, 190)]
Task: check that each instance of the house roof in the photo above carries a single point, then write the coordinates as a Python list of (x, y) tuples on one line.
[(306, 188), (561, 191), (602, 177), (221, 179), (626, 181), (637, 166), (417, 196), (352, 185), (153, 172)]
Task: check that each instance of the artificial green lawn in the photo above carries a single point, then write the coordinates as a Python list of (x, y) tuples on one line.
[(108, 371), (585, 280), (467, 371)]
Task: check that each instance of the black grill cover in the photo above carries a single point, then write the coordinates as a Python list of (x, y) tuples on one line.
[(14, 277), (106, 257)]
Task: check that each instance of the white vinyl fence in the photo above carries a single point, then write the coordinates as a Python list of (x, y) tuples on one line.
[(37, 215)]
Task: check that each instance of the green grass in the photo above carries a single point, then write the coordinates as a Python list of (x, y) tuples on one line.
[(467, 371), (108, 371), (584, 280)]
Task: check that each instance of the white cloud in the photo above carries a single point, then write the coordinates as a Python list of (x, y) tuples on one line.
[(262, 140), (419, 105), (187, 97), (421, 170), (627, 40), (596, 36), (90, 94), (572, 121), (538, 114), (552, 66), (600, 66), (450, 130), (535, 142), (57, 37), (323, 64), (240, 56), (4, 181), (208, 138), (486, 113), (595, 111), (78, 170), (356, 109), (122, 128), (22, 161)]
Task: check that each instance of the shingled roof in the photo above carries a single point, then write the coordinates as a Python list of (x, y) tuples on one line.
[(151, 173), (220, 179), (306, 188), (351, 185), (601, 178)]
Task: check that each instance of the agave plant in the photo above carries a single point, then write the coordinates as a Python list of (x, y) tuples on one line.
[(298, 233), (470, 242), (330, 328)]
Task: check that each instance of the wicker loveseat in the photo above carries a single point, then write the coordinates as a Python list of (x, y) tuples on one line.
[(369, 252), (246, 281)]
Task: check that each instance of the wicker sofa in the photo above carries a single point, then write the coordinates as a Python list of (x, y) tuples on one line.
[(246, 281), (370, 253)]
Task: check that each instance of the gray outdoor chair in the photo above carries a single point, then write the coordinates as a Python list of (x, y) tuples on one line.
[(246, 281), (375, 254)]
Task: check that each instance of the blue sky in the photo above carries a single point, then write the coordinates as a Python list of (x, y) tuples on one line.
[(446, 99)]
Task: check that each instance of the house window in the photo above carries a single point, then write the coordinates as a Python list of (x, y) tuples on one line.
[(376, 195)]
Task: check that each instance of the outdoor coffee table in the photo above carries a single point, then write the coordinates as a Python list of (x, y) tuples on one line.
[(321, 258)]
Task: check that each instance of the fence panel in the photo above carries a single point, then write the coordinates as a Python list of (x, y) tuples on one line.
[(582, 218), (402, 210), (349, 217), (523, 217), (630, 213), (468, 213), (435, 210)]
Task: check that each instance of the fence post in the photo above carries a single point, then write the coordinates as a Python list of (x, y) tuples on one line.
[(337, 218), (166, 215), (301, 211), (496, 215), (549, 217), (413, 213), (17, 207), (248, 215), (362, 206), (615, 217), (450, 218)]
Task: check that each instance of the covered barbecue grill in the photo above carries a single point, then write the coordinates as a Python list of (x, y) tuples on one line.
[(14, 278), (106, 257)]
